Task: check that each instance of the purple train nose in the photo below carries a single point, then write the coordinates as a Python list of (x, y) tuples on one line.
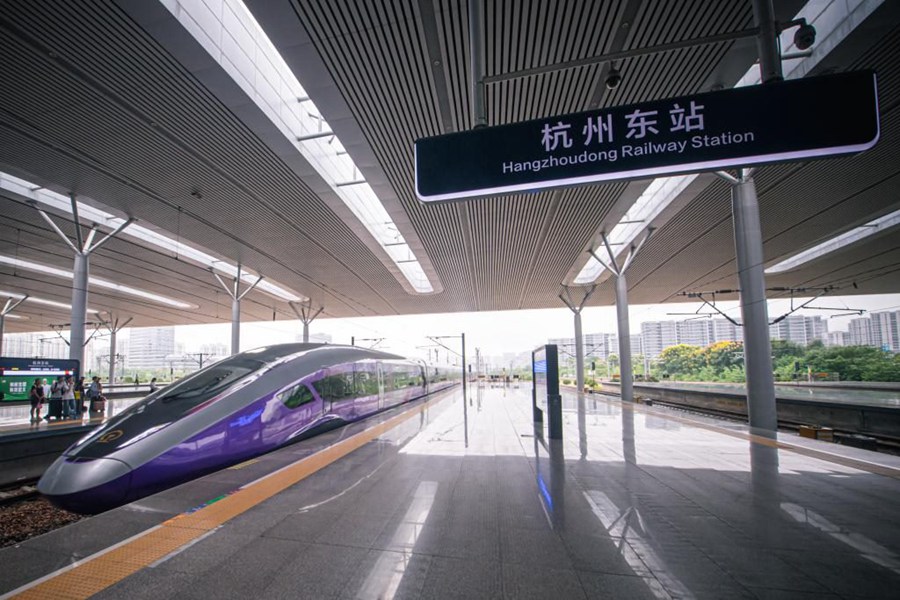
[(86, 486)]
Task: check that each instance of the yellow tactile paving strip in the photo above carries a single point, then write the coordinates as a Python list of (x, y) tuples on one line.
[(846, 461), (95, 573)]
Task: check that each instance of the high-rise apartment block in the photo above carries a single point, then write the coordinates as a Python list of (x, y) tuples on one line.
[(149, 348)]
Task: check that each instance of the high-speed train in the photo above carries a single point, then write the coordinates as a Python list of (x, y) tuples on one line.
[(235, 409)]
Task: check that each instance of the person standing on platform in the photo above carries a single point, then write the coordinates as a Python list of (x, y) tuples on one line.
[(37, 400), (47, 388), (79, 396), (153, 386), (69, 397), (95, 393), (56, 402)]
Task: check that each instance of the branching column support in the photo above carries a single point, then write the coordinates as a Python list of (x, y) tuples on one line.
[(113, 325), (236, 296), (754, 311), (304, 312), (566, 297), (749, 253), (10, 306), (83, 248), (626, 374)]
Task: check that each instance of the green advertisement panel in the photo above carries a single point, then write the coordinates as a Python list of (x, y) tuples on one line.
[(17, 375)]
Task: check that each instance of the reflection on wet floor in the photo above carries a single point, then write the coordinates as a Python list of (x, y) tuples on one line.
[(386, 574), (14, 418), (685, 510)]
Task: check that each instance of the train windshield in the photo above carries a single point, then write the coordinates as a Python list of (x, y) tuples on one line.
[(207, 383), (173, 402)]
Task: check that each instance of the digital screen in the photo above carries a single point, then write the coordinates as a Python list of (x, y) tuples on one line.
[(539, 368), (17, 375)]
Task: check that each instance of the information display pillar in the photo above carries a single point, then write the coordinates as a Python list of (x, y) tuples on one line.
[(545, 389)]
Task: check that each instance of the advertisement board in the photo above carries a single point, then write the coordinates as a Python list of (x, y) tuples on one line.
[(17, 375)]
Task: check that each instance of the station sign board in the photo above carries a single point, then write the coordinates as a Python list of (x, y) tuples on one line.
[(17, 375), (800, 119)]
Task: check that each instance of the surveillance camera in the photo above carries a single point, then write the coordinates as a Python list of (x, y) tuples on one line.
[(805, 36), (613, 79)]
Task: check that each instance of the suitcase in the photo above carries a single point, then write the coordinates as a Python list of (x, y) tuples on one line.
[(98, 405)]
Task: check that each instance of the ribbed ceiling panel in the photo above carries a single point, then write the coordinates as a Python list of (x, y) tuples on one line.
[(101, 105), (185, 126)]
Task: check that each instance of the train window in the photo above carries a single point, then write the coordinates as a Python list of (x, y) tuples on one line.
[(296, 396), (337, 387), (366, 381)]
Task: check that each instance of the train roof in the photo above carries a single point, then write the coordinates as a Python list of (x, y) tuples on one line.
[(274, 352)]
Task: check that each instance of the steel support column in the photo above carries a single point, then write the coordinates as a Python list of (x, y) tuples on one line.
[(81, 271), (749, 252), (754, 311), (464, 389), (81, 275), (236, 297), (566, 297), (626, 376), (579, 354), (113, 326), (112, 356), (235, 325), (307, 316)]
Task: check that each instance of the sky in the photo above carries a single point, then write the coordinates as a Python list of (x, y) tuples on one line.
[(499, 332)]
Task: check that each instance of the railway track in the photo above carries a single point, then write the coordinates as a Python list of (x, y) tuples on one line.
[(21, 491), (883, 443)]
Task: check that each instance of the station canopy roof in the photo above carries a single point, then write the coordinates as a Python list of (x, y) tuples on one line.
[(285, 143)]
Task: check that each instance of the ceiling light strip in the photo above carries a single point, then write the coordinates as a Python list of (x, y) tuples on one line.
[(836, 243), (27, 265), (232, 36), (88, 213), (37, 300)]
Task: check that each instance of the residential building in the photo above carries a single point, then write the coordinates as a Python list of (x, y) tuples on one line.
[(837, 338), (35, 345), (726, 331), (696, 332), (150, 348), (860, 332), (799, 329), (886, 330), (656, 336)]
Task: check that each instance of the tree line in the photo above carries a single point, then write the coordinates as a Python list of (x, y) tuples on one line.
[(724, 361)]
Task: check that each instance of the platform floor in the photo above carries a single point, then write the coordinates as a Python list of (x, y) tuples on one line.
[(16, 418), (636, 503)]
